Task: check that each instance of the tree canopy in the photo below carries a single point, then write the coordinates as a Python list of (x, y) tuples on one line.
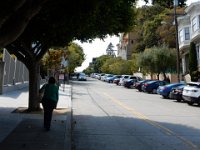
[(167, 3), (15, 16), (59, 22), (72, 54), (157, 60)]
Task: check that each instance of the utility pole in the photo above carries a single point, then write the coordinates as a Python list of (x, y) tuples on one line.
[(177, 42)]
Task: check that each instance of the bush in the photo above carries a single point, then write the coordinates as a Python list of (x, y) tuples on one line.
[(195, 75)]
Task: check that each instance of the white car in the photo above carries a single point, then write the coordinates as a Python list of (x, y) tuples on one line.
[(191, 93), (123, 77)]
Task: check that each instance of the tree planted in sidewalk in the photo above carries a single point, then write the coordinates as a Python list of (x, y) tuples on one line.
[(59, 22), (72, 54)]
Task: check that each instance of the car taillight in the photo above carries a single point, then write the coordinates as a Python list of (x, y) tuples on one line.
[(145, 84)]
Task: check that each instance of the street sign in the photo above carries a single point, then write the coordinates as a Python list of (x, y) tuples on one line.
[(61, 76)]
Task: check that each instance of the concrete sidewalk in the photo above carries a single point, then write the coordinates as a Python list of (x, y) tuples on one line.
[(25, 131)]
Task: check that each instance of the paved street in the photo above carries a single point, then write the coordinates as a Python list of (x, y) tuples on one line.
[(111, 117)]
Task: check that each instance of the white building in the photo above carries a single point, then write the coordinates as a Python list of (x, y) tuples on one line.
[(189, 31), (125, 46)]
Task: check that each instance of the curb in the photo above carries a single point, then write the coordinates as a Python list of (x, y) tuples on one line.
[(68, 130)]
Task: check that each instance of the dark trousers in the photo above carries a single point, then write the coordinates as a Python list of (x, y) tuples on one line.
[(48, 106)]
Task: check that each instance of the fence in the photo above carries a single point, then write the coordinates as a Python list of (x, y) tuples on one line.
[(14, 72)]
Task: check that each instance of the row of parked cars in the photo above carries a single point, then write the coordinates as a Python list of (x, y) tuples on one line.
[(189, 92)]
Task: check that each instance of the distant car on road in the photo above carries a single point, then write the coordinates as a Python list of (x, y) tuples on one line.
[(82, 77)]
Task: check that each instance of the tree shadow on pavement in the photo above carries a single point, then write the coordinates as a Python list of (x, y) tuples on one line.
[(138, 133)]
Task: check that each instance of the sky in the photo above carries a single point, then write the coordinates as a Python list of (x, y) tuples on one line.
[(95, 49), (98, 47)]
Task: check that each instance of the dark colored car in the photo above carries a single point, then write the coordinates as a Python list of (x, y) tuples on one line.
[(116, 81), (166, 89), (176, 93), (151, 86), (129, 83), (138, 84)]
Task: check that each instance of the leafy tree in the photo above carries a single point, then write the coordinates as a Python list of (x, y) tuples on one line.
[(59, 22), (75, 57), (73, 54), (52, 60), (148, 20), (15, 16), (150, 35), (117, 66), (88, 70), (157, 60), (100, 62), (110, 50), (193, 62), (167, 3)]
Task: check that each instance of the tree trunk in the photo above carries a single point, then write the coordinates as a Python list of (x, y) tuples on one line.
[(34, 85), (164, 74), (158, 76)]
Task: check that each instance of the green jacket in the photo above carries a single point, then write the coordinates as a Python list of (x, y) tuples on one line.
[(50, 92)]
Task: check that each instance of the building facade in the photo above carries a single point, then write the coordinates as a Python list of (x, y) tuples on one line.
[(125, 46), (189, 31)]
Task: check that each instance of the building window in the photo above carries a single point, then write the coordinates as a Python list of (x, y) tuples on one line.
[(198, 54), (187, 33), (181, 35), (199, 21), (194, 24)]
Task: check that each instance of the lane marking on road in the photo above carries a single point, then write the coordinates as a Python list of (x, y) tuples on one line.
[(153, 123)]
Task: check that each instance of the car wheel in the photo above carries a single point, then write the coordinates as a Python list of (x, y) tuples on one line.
[(164, 96), (190, 103), (178, 100), (154, 91)]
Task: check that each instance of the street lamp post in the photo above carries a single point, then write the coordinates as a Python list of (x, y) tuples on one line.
[(177, 42)]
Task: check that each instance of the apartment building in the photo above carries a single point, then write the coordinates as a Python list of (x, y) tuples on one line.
[(125, 46), (189, 31)]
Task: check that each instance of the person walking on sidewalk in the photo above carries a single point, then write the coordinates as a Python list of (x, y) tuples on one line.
[(49, 101)]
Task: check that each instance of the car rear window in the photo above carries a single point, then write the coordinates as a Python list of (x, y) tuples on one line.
[(195, 85)]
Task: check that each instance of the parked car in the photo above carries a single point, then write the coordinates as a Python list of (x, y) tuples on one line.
[(103, 78), (123, 77), (191, 93), (111, 79), (138, 84), (151, 86), (129, 83), (100, 75), (166, 89), (176, 93), (82, 77), (108, 77), (116, 81)]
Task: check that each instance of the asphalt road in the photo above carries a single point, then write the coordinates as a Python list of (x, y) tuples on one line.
[(110, 117)]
